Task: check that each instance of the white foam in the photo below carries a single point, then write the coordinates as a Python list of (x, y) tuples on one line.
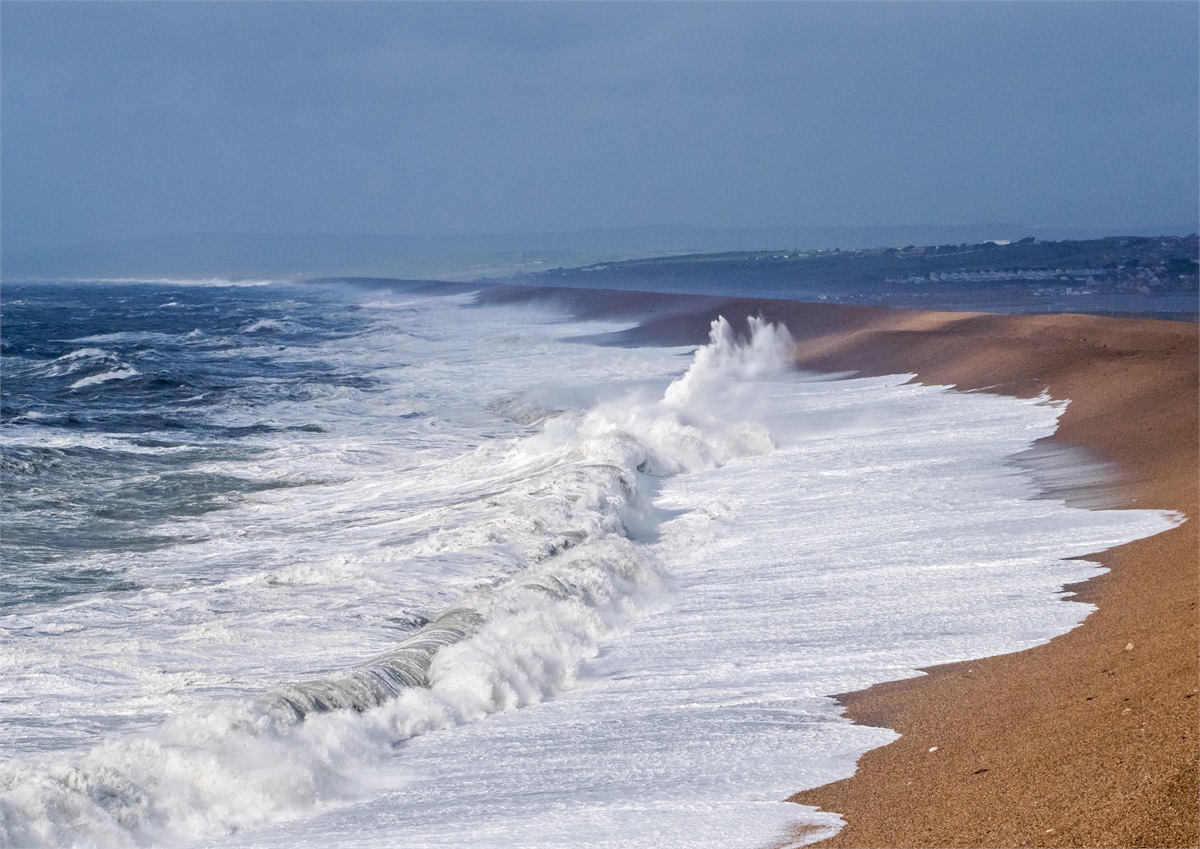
[(83, 353), (270, 325), (825, 567), (122, 373)]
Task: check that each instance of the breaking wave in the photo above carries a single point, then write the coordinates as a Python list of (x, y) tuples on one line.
[(575, 507)]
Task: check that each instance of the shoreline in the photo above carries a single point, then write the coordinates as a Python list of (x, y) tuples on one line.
[(1087, 740), (1090, 739)]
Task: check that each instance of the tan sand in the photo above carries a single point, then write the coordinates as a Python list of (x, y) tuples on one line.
[(1091, 739)]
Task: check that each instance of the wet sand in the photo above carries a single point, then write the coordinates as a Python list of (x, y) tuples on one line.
[(1091, 739)]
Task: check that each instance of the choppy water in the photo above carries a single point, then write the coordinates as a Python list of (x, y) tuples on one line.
[(317, 566)]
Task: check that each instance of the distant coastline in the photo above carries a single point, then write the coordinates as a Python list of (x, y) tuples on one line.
[(1152, 277)]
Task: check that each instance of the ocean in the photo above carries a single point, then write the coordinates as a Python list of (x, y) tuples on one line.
[(323, 565)]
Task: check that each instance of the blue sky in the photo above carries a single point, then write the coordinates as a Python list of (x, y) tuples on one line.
[(137, 119)]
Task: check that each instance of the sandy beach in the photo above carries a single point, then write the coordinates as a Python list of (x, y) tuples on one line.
[(1090, 740)]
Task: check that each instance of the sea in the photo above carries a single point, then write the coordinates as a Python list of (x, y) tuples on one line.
[(290, 565)]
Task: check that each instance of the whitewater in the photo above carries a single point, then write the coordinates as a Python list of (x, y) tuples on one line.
[(293, 565)]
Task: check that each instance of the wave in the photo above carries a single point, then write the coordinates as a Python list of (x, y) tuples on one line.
[(215, 282), (122, 373), (83, 353), (270, 325), (297, 749), (73, 361), (574, 513), (126, 337)]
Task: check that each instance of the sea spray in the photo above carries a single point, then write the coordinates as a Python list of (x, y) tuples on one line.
[(729, 359)]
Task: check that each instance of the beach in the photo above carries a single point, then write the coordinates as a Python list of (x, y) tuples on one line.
[(1090, 739)]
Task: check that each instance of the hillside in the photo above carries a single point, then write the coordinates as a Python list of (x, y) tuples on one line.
[(1144, 275)]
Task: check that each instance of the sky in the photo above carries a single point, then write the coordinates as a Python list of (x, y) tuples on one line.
[(128, 120)]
